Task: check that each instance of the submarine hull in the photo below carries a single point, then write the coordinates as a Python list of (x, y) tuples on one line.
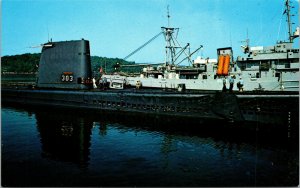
[(205, 106)]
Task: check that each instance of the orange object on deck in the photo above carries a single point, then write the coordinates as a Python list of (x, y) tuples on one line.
[(226, 65), (220, 65)]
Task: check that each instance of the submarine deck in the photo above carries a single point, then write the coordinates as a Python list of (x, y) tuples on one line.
[(244, 94)]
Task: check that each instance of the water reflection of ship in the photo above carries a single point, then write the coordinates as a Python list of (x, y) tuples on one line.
[(64, 137), (78, 124), (185, 155), (67, 138)]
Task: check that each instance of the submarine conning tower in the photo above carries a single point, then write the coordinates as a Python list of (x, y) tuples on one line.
[(65, 65)]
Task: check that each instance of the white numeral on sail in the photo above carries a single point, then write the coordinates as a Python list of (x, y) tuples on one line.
[(67, 78)]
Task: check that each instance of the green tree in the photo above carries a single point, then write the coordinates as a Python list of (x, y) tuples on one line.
[(28, 63)]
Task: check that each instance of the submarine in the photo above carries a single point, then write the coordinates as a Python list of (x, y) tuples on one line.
[(64, 80)]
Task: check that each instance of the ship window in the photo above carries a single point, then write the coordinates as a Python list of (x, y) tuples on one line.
[(265, 65), (244, 65), (152, 107), (287, 65), (277, 74), (257, 75), (273, 62)]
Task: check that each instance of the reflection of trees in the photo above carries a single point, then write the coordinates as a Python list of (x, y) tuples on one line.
[(64, 137)]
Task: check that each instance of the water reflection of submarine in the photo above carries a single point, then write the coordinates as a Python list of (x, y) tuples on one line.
[(64, 138), (67, 130)]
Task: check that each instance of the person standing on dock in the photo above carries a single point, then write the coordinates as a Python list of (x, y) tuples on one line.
[(231, 83), (94, 83), (241, 85), (100, 83), (104, 82), (138, 84), (224, 89)]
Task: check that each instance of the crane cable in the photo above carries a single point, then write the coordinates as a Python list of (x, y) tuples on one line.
[(139, 48)]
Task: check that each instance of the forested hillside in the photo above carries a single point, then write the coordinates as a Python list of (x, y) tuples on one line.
[(28, 63), (20, 63)]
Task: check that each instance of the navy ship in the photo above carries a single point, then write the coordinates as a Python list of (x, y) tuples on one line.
[(64, 80), (271, 68)]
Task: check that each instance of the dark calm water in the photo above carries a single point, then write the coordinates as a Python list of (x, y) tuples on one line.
[(65, 148)]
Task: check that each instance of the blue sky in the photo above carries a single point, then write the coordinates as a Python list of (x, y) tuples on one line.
[(117, 27)]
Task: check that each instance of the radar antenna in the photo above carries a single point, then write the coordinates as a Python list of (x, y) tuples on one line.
[(168, 16), (247, 41), (288, 15)]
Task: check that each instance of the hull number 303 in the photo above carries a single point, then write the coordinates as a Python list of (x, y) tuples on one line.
[(67, 77)]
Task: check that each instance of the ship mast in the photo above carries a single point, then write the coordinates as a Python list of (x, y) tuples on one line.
[(170, 41), (172, 45), (287, 10), (168, 16)]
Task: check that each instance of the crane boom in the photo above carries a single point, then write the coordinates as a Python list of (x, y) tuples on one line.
[(145, 44)]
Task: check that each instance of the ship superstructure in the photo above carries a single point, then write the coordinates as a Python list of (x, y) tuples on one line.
[(273, 67), (270, 68)]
